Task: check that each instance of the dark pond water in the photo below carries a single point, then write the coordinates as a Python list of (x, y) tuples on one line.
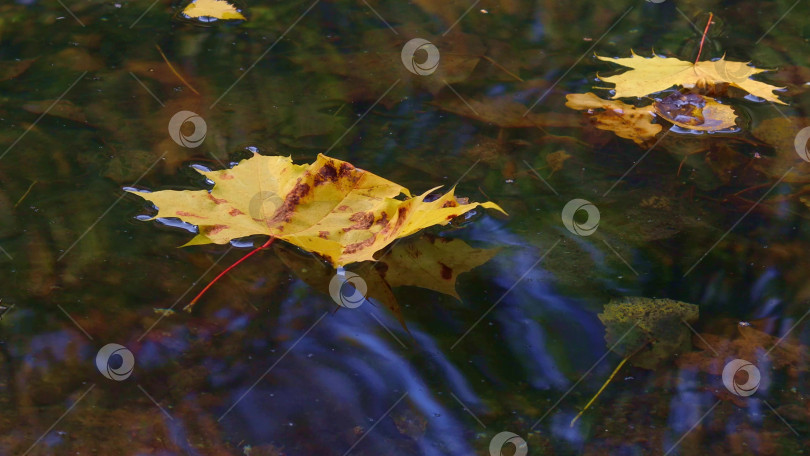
[(267, 363)]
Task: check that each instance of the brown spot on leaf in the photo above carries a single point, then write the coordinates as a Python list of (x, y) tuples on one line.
[(352, 248), (345, 170), (211, 230), (326, 173), (323, 234), (383, 220), (216, 200), (432, 238), (381, 267), (446, 272), (362, 221), (344, 208), (402, 212), (450, 203), (284, 213), (188, 214), (234, 212), (226, 176)]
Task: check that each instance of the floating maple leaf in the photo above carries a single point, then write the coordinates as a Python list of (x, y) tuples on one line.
[(329, 207), (651, 75)]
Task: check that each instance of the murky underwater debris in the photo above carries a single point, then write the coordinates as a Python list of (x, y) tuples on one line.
[(645, 331), (751, 344)]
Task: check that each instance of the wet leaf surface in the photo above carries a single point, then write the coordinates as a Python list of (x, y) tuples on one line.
[(330, 207), (655, 74)]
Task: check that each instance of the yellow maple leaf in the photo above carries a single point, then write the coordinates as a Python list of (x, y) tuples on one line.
[(329, 207), (219, 9), (651, 75)]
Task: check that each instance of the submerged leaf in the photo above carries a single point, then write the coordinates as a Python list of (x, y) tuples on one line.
[(329, 207), (651, 75), (505, 113), (431, 262), (427, 262), (647, 330)]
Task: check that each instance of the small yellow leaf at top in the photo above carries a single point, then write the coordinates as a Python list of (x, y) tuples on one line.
[(218, 9), (651, 75)]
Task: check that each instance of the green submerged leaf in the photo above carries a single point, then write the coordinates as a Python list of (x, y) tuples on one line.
[(649, 330)]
